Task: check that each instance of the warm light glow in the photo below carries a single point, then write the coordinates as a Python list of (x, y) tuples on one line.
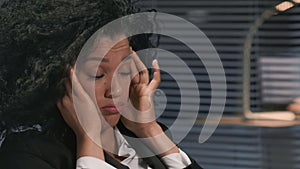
[(284, 6), (296, 1)]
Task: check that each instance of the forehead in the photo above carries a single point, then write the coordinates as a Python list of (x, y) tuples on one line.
[(108, 45), (107, 49), (112, 43)]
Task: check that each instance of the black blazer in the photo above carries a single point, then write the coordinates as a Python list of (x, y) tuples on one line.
[(33, 150)]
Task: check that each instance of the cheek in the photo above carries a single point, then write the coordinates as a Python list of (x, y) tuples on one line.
[(99, 92), (125, 83)]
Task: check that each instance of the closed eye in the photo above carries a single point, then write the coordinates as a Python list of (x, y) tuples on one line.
[(125, 73), (97, 76)]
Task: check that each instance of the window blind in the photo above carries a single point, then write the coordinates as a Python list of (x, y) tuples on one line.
[(226, 24), (274, 80), (278, 59)]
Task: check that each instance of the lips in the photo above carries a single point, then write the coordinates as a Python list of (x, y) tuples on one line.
[(112, 108)]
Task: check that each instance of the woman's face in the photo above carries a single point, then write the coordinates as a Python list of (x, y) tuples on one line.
[(110, 74)]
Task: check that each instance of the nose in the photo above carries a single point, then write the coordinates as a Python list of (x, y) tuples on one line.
[(113, 88)]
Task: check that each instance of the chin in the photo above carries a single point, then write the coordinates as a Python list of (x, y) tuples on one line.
[(112, 119)]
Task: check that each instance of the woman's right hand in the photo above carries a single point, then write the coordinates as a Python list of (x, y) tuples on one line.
[(81, 114)]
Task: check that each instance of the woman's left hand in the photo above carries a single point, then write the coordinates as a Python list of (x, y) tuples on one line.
[(140, 117)]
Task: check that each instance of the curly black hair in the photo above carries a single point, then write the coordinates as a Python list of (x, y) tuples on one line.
[(38, 39)]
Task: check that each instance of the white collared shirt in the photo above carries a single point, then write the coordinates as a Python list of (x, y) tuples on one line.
[(172, 161)]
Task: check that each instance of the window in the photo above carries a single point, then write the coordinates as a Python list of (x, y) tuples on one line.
[(226, 23)]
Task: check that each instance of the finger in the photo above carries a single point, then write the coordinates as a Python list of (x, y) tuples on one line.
[(143, 71), (64, 102), (61, 107), (135, 79), (72, 82), (139, 64), (68, 87), (76, 86), (59, 104), (67, 111), (154, 83)]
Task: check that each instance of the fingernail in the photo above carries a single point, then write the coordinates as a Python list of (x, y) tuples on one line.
[(155, 61), (71, 70)]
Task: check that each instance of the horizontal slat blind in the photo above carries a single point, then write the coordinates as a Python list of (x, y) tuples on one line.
[(280, 78), (277, 52), (226, 23), (234, 146)]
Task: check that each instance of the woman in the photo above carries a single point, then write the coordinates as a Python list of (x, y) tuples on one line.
[(42, 39)]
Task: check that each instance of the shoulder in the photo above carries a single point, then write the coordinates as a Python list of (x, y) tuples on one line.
[(32, 149)]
